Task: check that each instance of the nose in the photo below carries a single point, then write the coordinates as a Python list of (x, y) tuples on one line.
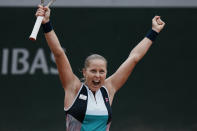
[(97, 74)]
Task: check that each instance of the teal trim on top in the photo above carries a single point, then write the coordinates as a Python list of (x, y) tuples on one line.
[(94, 123)]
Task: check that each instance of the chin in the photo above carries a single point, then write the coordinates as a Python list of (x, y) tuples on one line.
[(96, 88)]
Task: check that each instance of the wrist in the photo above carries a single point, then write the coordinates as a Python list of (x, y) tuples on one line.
[(47, 27), (45, 21), (156, 30), (152, 35)]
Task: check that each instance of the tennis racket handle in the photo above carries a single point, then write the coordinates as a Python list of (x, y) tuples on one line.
[(36, 28)]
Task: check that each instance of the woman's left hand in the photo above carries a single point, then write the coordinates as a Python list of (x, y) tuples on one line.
[(157, 24)]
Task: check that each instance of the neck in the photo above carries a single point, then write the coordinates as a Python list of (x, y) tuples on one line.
[(94, 92)]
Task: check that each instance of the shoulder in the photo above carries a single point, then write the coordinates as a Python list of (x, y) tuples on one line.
[(110, 91), (104, 90), (108, 86), (74, 87)]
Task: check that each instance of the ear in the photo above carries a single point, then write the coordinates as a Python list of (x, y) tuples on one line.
[(84, 72)]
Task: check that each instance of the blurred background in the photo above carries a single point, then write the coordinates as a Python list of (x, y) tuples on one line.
[(160, 95)]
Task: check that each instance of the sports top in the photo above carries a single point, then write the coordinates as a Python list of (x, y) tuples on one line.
[(89, 112)]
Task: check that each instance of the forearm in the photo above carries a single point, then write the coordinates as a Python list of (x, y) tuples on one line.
[(47, 28), (62, 62), (53, 43), (141, 49), (67, 77), (116, 80)]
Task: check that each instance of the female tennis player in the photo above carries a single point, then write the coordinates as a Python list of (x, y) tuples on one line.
[(87, 104)]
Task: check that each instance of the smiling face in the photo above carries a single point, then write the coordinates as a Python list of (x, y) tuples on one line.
[(95, 74)]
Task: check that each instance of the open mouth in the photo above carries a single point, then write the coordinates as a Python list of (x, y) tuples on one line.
[(96, 82)]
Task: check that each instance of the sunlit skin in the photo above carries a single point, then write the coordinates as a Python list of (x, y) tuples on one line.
[(95, 74)]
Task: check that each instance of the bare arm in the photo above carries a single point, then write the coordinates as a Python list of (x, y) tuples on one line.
[(66, 74), (116, 80)]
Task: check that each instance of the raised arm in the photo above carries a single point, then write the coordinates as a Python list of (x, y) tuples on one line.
[(66, 74), (116, 80)]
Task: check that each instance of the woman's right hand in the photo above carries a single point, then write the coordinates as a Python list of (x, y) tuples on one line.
[(43, 11)]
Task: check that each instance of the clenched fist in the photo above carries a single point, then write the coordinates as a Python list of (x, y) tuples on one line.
[(157, 24), (43, 11)]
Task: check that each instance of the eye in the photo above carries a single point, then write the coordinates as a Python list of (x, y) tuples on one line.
[(93, 71), (102, 71)]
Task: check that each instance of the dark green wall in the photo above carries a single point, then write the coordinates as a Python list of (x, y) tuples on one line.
[(159, 95)]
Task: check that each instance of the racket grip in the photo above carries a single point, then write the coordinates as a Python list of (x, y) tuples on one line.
[(36, 28)]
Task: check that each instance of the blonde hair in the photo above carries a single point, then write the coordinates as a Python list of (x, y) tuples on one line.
[(93, 57)]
